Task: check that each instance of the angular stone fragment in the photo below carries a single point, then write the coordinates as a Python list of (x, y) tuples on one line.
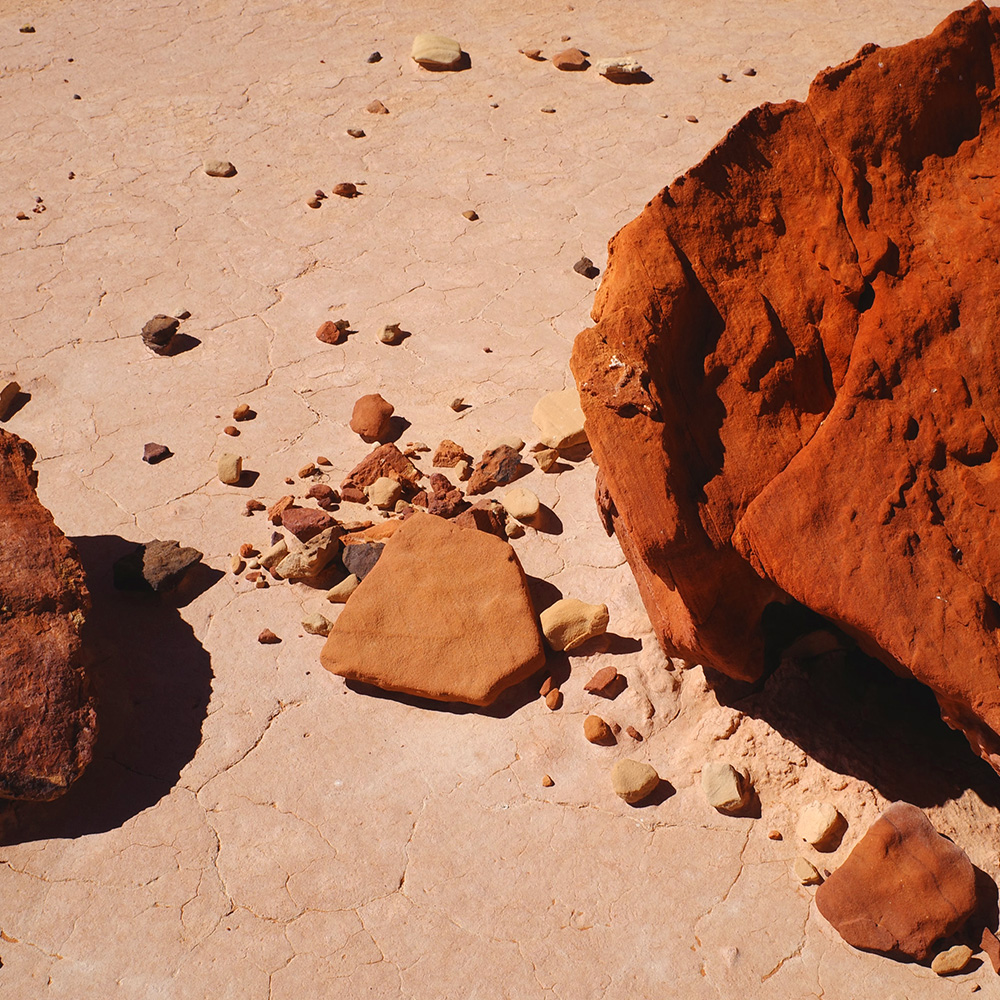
[(158, 333), (633, 780), (305, 522), (618, 67), (48, 716), (153, 452), (219, 168), (806, 872), (8, 394), (316, 624), (569, 623), (818, 823), (229, 468), (559, 419), (991, 948), (377, 108), (448, 454), (359, 558), (902, 888), (805, 351), (497, 467), (326, 496), (607, 683), (343, 590), (725, 788), (445, 614), (314, 556), (270, 557), (436, 52), (156, 565), (386, 460), (570, 60), (371, 417)]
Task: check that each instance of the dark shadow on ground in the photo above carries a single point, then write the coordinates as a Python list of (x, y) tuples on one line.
[(853, 715), (152, 679), (17, 403)]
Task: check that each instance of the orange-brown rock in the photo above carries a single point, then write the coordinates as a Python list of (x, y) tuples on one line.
[(448, 454), (48, 719), (791, 386), (386, 460), (902, 888), (445, 613), (372, 418)]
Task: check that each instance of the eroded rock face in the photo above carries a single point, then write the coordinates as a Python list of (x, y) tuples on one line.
[(48, 722), (791, 386)]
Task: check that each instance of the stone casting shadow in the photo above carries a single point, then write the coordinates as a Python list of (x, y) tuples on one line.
[(18, 403), (853, 715), (153, 679)]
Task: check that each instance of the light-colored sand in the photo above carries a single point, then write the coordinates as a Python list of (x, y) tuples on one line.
[(253, 829)]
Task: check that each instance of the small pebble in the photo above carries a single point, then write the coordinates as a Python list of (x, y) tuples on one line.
[(384, 493), (585, 266), (253, 505), (377, 108), (77, 97), (307, 470), (553, 699), (289, 481), (323, 460), (607, 683), (565, 38), (247, 550), (316, 624), (236, 565), (596, 730), (343, 590), (345, 189), (71, 175), (229, 468), (374, 57), (27, 29), (217, 168), (314, 203), (21, 216), (273, 555), (774, 835), (521, 504), (463, 470), (692, 119), (547, 782), (951, 961), (806, 872), (548, 111), (634, 733), (253, 576), (726, 789), (231, 431), (261, 584), (724, 77), (749, 71), (182, 314), (535, 54), (243, 412), (547, 458), (457, 404), (818, 822), (390, 333), (356, 133), (267, 637), (318, 193), (152, 452), (633, 780), (470, 214), (333, 332), (547, 686)]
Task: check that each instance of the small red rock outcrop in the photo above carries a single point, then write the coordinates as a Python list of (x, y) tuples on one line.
[(445, 613), (48, 721), (791, 386), (902, 888)]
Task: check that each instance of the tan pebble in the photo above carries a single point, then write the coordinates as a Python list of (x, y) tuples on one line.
[(596, 729), (559, 419), (229, 468), (692, 119), (547, 782), (242, 412), (272, 556), (805, 871), (634, 733), (955, 959), (253, 505), (343, 590), (546, 459), (314, 203), (470, 215), (316, 624), (818, 822), (436, 51), (356, 133), (253, 564), (548, 111), (246, 550), (463, 470), (726, 789), (531, 53), (774, 835), (236, 565), (307, 470), (262, 583), (457, 404), (377, 108), (569, 623), (390, 333), (633, 780), (749, 71), (231, 431), (513, 527), (323, 460), (553, 699), (384, 493)]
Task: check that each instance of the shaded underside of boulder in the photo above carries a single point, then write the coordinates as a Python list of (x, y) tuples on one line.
[(791, 386), (48, 722)]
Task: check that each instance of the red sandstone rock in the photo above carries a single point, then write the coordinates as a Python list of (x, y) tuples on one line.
[(790, 388), (444, 614), (570, 59), (276, 511), (305, 522), (498, 467), (902, 888), (371, 418), (332, 333), (991, 948), (485, 515), (326, 496), (386, 460), (47, 711), (449, 454), (607, 683)]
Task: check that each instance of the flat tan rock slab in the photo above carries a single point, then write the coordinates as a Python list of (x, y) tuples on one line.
[(444, 614)]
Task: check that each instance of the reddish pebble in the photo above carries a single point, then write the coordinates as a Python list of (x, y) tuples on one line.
[(243, 412), (547, 782), (547, 686), (307, 470), (331, 333), (774, 835), (253, 576), (267, 637), (289, 481), (634, 733), (253, 505), (323, 460), (247, 550), (231, 431), (345, 190), (553, 699)]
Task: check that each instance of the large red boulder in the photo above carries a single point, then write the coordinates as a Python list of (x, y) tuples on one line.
[(791, 386), (902, 888), (48, 723)]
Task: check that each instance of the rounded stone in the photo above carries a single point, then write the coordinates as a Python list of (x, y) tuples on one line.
[(633, 780), (522, 504), (951, 961), (568, 623), (230, 468), (596, 730), (818, 822)]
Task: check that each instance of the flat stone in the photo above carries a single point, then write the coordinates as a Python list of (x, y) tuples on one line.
[(305, 522), (48, 715), (445, 614), (570, 60), (314, 556), (343, 590), (359, 558), (901, 889), (953, 960), (230, 468), (157, 566), (153, 452), (633, 780), (818, 823), (371, 419), (8, 394), (618, 66), (436, 52), (568, 623), (559, 419), (219, 168), (497, 467), (607, 683), (806, 872), (725, 788)]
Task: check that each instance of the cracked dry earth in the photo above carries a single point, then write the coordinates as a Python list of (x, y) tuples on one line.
[(251, 828)]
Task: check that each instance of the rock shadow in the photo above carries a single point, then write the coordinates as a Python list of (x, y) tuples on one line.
[(852, 714), (152, 678), (17, 403), (663, 791)]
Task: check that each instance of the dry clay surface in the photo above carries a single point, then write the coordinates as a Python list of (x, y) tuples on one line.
[(251, 828)]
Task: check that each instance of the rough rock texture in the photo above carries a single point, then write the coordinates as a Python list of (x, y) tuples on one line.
[(47, 713), (791, 385), (386, 460), (902, 888), (371, 417), (497, 467), (154, 566), (445, 614)]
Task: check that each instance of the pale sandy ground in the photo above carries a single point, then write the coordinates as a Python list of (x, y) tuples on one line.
[(253, 829)]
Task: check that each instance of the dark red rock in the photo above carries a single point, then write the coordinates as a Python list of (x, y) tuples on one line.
[(156, 566), (607, 683), (485, 515), (371, 419), (902, 888), (305, 522), (326, 496), (153, 453), (991, 948), (267, 637), (47, 711), (790, 388), (386, 460), (332, 333), (498, 467)]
